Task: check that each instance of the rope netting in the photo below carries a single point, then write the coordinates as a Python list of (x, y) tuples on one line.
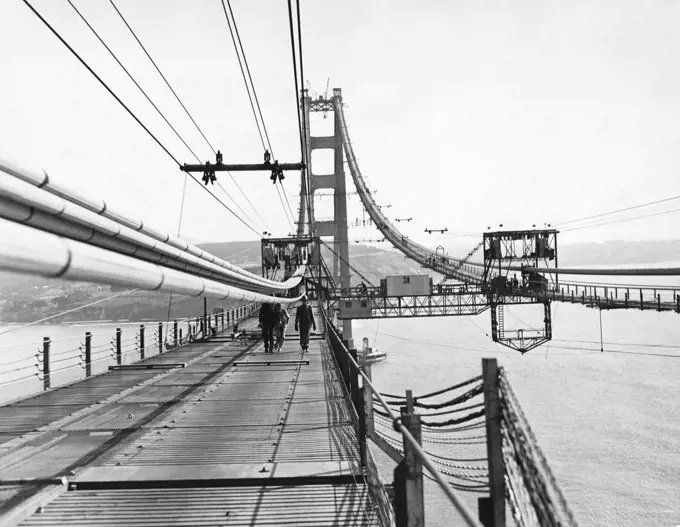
[(531, 488), (460, 457)]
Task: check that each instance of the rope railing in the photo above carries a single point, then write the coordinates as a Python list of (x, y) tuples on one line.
[(438, 392), (398, 426)]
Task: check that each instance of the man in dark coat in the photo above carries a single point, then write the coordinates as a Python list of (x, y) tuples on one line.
[(304, 320), (268, 319)]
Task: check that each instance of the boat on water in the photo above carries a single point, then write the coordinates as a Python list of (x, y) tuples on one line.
[(368, 356)]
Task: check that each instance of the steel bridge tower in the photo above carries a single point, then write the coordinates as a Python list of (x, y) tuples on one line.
[(338, 227)]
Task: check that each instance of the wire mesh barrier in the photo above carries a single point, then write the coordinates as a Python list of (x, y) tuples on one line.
[(531, 488)]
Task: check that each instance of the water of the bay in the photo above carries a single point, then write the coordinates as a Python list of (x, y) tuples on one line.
[(608, 422)]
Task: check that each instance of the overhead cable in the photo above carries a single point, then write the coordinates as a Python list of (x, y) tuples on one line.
[(302, 111), (250, 78), (149, 99), (295, 76), (617, 211), (250, 86), (243, 73), (131, 78), (162, 76), (82, 61), (622, 220), (184, 108), (187, 111)]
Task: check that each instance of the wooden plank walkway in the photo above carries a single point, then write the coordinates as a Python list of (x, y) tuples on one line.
[(225, 440)]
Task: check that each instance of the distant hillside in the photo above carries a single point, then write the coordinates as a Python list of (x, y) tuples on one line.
[(619, 252), (374, 263), (27, 298)]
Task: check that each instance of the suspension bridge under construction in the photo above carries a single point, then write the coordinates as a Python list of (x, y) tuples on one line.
[(202, 428)]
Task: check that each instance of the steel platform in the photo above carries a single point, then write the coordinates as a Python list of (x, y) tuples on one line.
[(204, 440)]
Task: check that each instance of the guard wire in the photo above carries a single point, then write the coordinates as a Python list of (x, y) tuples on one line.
[(460, 420)]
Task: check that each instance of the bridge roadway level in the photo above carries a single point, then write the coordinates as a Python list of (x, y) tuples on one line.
[(221, 441)]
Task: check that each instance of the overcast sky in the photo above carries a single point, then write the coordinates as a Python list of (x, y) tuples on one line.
[(464, 114)]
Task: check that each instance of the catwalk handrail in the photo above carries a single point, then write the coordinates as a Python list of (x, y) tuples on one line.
[(399, 427)]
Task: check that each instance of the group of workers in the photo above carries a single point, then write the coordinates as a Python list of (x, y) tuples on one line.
[(274, 320)]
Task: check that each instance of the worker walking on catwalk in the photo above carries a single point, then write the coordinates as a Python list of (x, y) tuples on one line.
[(304, 320), (282, 318), (268, 319)]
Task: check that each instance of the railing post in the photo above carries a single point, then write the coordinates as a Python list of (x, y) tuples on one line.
[(357, 400), (141, 341), (206, 320), (175, 333), (88, 354), (408, 476), (344, 364), (46, 362), (492, 409), (119, 346), (160, 338)]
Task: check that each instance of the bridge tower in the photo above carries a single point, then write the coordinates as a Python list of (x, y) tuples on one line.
[(337, 228)]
